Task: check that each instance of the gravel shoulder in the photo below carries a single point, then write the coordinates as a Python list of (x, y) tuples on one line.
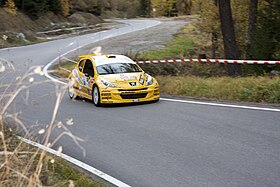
[(140, 41)]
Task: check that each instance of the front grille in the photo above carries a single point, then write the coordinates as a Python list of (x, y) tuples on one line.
[(134, 96), (140, 89)]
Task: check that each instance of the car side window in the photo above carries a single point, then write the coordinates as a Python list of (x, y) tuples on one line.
[(88, 68), (81, 65)]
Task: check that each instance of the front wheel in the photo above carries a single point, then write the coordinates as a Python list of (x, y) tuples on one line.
[(96, 96)]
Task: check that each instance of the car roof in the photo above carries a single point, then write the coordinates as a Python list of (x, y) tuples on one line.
[(108, 59)]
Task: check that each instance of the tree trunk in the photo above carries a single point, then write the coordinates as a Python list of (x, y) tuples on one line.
[(230, 46), (253, 10), (214, 47)]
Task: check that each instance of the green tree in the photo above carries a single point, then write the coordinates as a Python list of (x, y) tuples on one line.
[(184, 7), (54, 6), (145, 7), (265, 41), (35, 8)]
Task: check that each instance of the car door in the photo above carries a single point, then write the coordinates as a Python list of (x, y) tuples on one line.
[(77, 75), (87, 78)]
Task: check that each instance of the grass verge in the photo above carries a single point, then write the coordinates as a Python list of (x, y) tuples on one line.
[(23, 157), (187, 42), (246, 89)]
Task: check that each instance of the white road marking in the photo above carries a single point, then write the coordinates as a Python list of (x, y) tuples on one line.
[(221, 105), (72, 43), (45, 69), (77, 163)]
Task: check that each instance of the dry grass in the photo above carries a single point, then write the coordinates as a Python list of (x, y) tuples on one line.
[(249, 89), (22, 164)]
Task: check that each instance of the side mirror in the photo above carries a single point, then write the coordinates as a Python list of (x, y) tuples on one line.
[(86, 74)]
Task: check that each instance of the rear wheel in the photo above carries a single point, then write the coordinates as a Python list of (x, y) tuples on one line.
[(96, 96)]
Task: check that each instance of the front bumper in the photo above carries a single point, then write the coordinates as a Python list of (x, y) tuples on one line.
[(118, 95)]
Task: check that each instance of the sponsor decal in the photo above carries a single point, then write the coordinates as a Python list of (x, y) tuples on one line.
[(86, 81), (77, 77), (81, 80), (128, 77)]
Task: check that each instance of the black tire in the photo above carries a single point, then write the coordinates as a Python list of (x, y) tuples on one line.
[(95, 96)]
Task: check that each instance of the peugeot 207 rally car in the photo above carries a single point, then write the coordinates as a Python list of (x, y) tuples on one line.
[(106, 79)]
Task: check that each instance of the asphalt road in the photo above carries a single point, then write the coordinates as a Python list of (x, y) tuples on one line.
[(163, 144)]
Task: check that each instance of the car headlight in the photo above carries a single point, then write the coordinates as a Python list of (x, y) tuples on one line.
[(108, 84), (149, 80)]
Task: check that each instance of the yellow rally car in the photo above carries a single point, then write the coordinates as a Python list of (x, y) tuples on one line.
[(109, 79)]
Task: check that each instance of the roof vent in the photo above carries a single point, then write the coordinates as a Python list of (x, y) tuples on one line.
[(111, 56)]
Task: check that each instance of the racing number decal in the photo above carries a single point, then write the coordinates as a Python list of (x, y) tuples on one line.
[(84, 82)]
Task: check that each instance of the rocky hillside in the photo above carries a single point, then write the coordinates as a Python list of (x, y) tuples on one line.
[(21, 29), (21, 21)]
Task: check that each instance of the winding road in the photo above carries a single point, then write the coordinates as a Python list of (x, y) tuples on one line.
[(165, 144)]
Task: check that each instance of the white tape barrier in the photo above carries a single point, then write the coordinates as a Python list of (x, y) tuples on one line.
[(221, 61)]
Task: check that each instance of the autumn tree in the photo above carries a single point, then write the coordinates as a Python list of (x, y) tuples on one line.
[(209, 22), (184, 7), (163, 7), (11, 7), (65, 7)]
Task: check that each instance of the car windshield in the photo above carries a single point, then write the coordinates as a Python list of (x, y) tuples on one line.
[(117, 68)]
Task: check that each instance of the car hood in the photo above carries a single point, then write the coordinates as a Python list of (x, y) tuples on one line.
[(125, 77), (126, 80)]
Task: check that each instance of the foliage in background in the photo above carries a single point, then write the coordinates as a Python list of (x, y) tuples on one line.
[(210, 22), (163, 8), (265, 40), (11, 7), (266, 37), (104, 8)]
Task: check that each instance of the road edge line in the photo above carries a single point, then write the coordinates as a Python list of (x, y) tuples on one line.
[(221, 105), (76, 162)]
